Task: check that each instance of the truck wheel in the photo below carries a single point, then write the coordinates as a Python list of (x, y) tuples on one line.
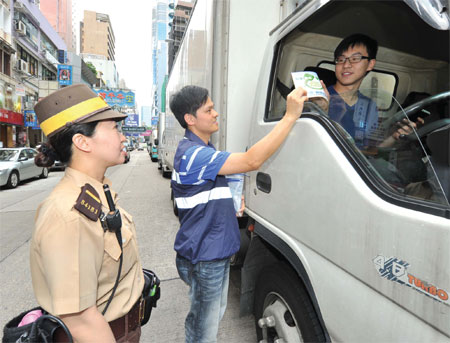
[(44, 173), (13, 179), (174, 204), (159, 165), (166, 174), (283, 309)]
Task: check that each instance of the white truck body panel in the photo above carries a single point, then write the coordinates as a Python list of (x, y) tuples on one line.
[(216, 55)]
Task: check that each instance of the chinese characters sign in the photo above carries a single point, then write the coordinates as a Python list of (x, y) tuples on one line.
[(64, 75), (10, 117), (119, 98)]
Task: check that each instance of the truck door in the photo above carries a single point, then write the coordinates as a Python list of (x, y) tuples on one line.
[(367, 215)]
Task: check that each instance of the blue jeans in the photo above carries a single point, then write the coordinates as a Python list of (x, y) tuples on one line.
[(208, 291)]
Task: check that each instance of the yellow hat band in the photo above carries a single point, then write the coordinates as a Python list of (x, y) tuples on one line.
[(73, 113)]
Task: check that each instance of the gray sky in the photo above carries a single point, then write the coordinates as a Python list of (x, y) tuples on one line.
[(132, 25)]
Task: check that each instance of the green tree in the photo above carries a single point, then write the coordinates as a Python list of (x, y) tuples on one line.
[(92, 67)]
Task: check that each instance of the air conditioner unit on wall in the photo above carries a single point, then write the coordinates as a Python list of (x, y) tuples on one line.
[(21, 28), (23, 66)]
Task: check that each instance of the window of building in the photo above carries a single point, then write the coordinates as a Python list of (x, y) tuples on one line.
[(31, 29), (5, 62), (22, 54), (46, 44), (48, 75)]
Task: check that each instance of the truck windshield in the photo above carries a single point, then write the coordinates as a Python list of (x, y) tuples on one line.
[(408, 148)]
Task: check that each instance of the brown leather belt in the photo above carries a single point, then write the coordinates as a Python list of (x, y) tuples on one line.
[(119, 326)]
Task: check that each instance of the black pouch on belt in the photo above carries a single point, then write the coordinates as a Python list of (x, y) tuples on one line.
[(150, 294), (41, 330)]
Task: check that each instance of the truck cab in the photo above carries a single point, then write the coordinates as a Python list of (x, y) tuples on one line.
[(350, 242)]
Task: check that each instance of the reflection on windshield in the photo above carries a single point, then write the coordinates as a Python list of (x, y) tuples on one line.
[(8, 155), (404, 148)]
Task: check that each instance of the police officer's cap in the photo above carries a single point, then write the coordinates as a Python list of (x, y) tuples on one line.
[(73, 104)]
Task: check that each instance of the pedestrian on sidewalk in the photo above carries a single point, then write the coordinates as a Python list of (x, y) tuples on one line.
[(75, 257), (209, 232)]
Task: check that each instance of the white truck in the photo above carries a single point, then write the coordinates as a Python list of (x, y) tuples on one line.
[(343, 242)]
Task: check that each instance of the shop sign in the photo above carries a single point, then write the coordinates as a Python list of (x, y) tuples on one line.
[(20, 90), (132, 120), (64, 74), (10, 117), (30, 119), (119, 98)]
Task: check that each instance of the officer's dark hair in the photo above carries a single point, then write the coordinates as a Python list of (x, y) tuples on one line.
[(187, 100), (59, 145), (357, 39)]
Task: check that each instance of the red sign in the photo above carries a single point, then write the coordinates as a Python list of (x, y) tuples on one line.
[(11, 117)]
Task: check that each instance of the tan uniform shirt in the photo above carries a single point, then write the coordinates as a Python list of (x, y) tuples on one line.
[(74, 263)]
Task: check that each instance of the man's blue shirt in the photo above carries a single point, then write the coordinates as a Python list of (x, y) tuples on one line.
[(208, 225), (358, 120)]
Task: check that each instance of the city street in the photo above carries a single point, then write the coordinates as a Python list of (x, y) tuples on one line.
[(144, 194)]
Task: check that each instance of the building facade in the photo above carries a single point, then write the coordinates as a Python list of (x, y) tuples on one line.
[(146, 115), (97, 35), (30, 51), (160, 21), (106, 69), (180, 19), (59, 14)]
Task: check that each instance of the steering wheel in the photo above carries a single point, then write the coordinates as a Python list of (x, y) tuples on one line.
[(417, 107)]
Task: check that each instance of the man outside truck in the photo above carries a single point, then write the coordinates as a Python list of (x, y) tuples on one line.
[(209, 232)]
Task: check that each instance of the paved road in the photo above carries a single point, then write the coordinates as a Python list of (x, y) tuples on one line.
[(144, 194)]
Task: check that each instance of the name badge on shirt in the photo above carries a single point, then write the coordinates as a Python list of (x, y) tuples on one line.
[(88, 202)]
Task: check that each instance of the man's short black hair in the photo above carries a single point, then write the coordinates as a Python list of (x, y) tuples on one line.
[(357, 39), (187, 100)]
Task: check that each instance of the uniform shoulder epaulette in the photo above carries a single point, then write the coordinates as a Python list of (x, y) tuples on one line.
[(89, 202)]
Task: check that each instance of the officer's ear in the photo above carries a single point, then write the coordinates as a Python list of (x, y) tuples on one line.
[(81, 142)]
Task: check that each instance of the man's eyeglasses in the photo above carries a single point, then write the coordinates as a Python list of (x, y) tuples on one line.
[(352, 59)]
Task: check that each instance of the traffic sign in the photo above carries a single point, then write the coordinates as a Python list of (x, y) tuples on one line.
[(134, 129)]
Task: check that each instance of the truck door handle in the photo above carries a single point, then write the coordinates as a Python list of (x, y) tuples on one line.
[(263, 182)]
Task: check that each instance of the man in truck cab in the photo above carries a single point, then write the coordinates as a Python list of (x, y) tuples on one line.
[(209, 232), (354, 58)]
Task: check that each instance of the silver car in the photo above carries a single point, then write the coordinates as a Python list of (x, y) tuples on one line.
[(17, 164)]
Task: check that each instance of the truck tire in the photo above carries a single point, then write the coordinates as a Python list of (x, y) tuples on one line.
[(167, 174), (284, 308), (174, 204), (13, 179)]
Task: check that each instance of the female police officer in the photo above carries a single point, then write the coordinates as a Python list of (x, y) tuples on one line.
[(74, 257)]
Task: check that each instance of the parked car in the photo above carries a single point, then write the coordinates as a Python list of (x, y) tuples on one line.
[(17, 164), (127, 156), (58, 165)]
